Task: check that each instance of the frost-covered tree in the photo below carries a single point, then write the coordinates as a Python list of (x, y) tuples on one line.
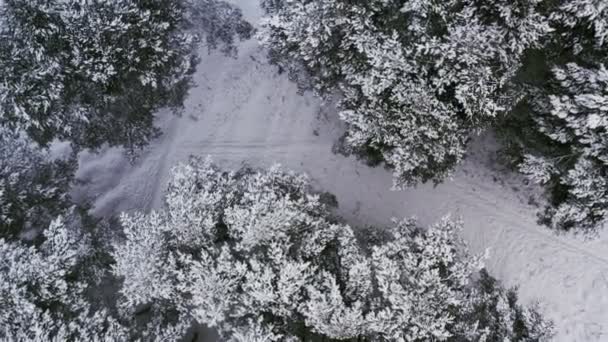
[(33, 186), (559, 138), (423, 290), (234, 251), (48, 251), (499, 317), (40, 298), (95, 72), (574, 168), (420, 283), (258, 256), (416, 78), (581, 25)]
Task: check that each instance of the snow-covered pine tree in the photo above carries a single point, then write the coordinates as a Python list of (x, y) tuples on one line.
[(581, 26), (499, 317), (559, 137), (48, 248), (42, 297), (424, 289), (234, 251), (259, 257), (33, 186), (417, 78), (420, 285), (95, 72)]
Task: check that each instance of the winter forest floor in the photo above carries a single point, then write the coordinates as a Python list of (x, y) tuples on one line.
[(242, 111)]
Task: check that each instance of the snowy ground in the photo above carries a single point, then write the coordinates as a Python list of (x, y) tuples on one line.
[(242, 111)]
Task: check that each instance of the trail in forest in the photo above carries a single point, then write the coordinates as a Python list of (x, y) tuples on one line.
[(243, 111)]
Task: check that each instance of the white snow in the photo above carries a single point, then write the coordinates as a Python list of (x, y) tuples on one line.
[(242, 111)]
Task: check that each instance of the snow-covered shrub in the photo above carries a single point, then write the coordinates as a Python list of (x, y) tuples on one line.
[(41, 300), (95, 72), (417, 78), (560, 136), (33, 186), (257, 256)]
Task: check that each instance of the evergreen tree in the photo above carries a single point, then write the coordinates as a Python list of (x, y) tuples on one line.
[(499, 317), (234, 251), (259, 257), (558, 138), (95, 72), (423, 291), (41, 300), (33, 186), (49, 251), (416, 78)]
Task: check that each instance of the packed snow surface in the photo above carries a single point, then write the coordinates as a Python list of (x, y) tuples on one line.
[(243, 112)]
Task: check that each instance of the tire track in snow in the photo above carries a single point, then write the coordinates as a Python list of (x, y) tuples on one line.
[(478, 200)]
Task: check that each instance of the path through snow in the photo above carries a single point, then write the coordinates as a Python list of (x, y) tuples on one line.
[(242, 111)]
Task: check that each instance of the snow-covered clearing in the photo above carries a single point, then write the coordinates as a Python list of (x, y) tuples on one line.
[(242, 111)]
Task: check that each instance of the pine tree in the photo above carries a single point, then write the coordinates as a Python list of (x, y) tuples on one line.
[(231, 250), (48, 248), (95, 72), (417, 78), (33, 186), (41, 301), (257, 256), (558, 139), (499, 317)]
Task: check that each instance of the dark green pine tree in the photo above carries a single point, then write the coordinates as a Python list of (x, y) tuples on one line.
[(496, 311), (94, 72), (417, 79), (33, 186), (558, 136)]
